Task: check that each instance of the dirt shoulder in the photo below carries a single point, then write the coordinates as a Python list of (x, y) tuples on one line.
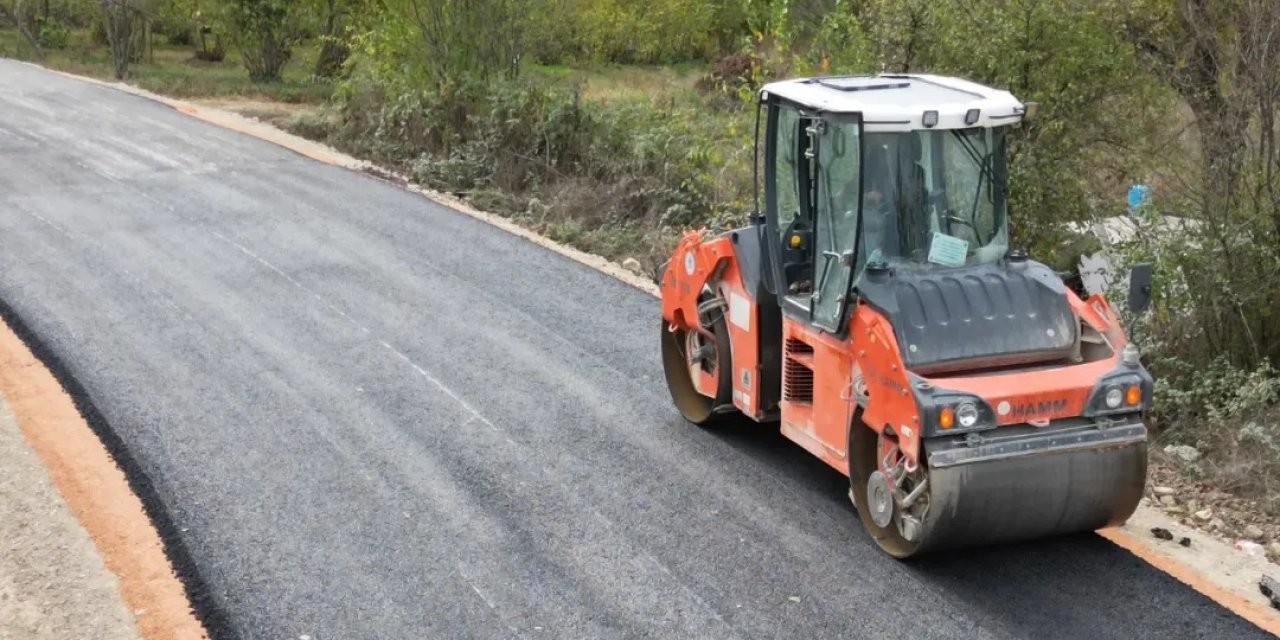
[(53, 583), (1199, 504), (1203, 562), (80, 558)]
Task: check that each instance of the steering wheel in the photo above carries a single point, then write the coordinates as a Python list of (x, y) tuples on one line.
[(977, 235), (951, 218)]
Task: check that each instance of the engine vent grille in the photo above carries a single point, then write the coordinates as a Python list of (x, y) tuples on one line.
[(797, 376)]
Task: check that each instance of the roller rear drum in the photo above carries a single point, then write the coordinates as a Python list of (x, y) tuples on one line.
[(696, 364)]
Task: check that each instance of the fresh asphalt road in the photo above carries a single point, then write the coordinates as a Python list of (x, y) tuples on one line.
[(369, 416)]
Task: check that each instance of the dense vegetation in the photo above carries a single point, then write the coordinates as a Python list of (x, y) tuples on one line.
[(612, 124)]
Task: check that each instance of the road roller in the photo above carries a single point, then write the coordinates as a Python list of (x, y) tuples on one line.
[(874, 309)]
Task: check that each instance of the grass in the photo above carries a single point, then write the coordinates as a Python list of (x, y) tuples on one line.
[(621, 83), (174, 71)]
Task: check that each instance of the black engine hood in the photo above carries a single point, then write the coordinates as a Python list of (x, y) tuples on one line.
[(953, 319)]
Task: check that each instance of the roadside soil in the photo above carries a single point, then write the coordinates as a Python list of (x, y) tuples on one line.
[(52, 580), (254, 107), (53, 583), (1203, 562), (1199, 534), (282, 115), (1217, 513)]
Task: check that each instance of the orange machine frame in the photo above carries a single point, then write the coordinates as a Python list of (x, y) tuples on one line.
[(824, 373)]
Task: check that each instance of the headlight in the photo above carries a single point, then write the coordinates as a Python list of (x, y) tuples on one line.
[(1125, 390), (1114, 397), (945, 412)]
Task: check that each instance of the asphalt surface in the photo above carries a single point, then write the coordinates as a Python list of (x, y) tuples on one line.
[(368, 416)]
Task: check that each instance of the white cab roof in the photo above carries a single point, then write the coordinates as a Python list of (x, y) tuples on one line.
[(898, 102)]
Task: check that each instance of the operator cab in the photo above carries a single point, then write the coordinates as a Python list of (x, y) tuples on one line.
[(866, 174)]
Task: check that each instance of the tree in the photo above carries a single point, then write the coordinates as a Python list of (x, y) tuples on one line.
[(121, 17), (1222, 58), (477, 39), (1194, 45), (13, 10), (265, 31), (341, 21), (334, 48)]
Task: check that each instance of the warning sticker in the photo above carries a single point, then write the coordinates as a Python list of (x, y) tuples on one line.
[(739, 311), (948, 251)]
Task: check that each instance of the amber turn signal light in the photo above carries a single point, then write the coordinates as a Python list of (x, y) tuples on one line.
[(1133, 395), (946, 418)]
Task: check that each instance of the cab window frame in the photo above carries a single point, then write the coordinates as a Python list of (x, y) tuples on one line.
[(808, 197)]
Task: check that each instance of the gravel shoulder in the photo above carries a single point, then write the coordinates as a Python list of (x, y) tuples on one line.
[(53, 583)]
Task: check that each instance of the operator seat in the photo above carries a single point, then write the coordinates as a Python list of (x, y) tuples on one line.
[(879, 213), (913, 199)]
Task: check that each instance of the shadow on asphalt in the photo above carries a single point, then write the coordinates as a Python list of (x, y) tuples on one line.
[(764, 443), (1071, 586)]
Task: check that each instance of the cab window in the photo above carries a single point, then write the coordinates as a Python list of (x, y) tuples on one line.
[(793, 197), (786, 172), (836, 227)]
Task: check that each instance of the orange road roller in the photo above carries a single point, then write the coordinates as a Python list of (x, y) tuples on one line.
[(874, 309)]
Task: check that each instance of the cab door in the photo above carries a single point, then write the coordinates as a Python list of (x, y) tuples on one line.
[(838, 195), (813, 193), (789, 204)]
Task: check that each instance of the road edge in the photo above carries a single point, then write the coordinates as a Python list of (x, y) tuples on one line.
[(138, 541), (1259, 615), (328, 155), (1230, 599)]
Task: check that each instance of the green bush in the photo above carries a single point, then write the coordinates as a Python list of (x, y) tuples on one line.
[(621, 31), (52, 34), (180, 36), (1230, 415), (1217, 394), (98, 33), (265, 31), (208, 45), (1208, 335), (633, 169)]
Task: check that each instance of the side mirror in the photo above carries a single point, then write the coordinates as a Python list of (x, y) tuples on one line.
[(1140, 287)]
